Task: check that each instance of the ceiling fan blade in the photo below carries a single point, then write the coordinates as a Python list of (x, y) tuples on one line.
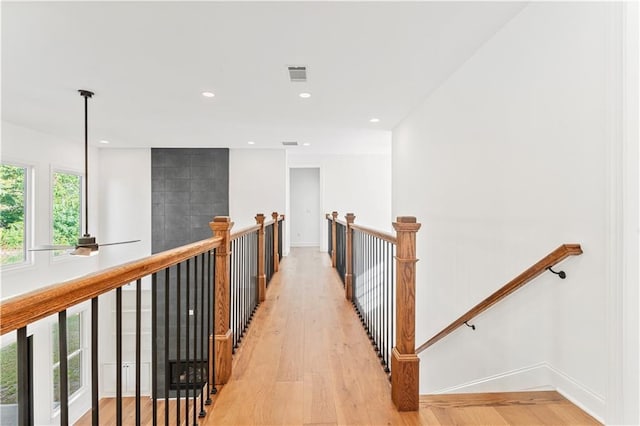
[(119, 242), (51, 247)]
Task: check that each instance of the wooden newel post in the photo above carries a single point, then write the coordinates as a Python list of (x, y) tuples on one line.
[(262, 278), (276, 256), (348, 276), (404, 361), (334, 215), (223, 338)]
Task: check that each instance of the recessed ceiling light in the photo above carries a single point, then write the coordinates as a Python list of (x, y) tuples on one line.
[(305, 95), (306, 144), (251, 143), (374, 120), (104, 142), (208, 94)]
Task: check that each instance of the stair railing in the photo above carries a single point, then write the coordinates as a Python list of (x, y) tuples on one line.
[(378, 273), (206, 299), (544, 264)]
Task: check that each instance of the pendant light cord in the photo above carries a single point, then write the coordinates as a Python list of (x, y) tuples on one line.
[(86, 167)]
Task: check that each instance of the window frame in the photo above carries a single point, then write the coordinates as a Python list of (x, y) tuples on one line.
[(58, 255), (29, 215)]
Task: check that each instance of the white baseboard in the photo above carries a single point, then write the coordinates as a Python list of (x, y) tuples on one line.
[(579, 394), (305, 244), (541, 376)]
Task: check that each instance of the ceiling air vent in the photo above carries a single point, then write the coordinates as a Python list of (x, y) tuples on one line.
[(290, 143), (298, 74)]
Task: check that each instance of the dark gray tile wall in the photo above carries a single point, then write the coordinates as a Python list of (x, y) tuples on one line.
[(189, 187)]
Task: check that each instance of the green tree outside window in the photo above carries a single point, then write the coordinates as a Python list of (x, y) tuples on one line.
[(67, 205), (12, 214)]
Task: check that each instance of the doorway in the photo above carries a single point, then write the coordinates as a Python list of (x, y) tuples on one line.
[(304, 187)]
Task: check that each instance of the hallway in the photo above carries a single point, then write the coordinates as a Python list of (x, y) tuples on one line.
[(305, 360)]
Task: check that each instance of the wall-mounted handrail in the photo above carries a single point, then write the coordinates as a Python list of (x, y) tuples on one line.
[(19, 311), (538, 268)]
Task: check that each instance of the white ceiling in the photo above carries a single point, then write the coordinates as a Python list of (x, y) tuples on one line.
[(148, 62)]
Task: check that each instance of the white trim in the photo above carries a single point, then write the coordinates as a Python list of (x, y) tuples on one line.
[(536, 377), (630, 352), (316, 244), (589, 401), (614, 214)]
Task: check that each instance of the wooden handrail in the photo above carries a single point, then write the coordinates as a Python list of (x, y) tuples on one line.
[(341, 222), (548, 261), (378, 234), (281, 218), (19, 311), (244, 231)]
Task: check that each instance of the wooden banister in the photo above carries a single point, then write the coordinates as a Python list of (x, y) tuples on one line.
[(379, 234), (538, 268), (244, 231), (25, 309)]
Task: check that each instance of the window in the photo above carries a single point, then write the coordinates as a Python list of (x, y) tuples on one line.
[(8, 374), (75, 349), (13, 208), (67, 209)]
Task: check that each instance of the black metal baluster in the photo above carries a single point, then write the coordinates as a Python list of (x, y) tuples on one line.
[(255, 273), (232, 295), (212, 290), (95, 416), (370, 287), (393, 305), (386, 305), (178, 343), (25, 392), (154, 350), (138, 346), (63, 370), (365, 312), (237, 293), (195, 339), (241, 277), (186, 344), (167, 377), (280, 231), (203, 334), (379, 288), (119, 356)]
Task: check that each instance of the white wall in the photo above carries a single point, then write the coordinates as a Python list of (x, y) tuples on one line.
[(256, 184), (359, 184), (125, 207), (125, 204), (305, 217), (504, 162), (44, 153)]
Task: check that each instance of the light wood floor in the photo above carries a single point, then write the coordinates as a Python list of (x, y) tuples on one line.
[(307, 361)]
